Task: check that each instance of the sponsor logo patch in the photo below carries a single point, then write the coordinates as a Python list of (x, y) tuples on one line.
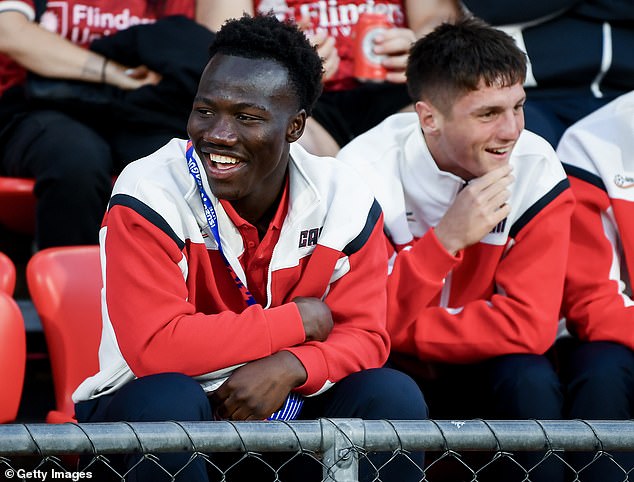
[(623, 181)]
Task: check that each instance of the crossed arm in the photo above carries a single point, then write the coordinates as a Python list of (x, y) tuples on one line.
[(293, 346)]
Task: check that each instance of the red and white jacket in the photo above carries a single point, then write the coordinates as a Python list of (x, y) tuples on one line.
[(499, 296), (598, 155), (169, 305)]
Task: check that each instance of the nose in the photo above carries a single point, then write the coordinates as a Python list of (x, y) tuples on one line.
[(511, 125), (220, 131)]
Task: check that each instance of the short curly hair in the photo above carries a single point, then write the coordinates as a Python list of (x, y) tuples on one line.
[(454, 58), (266, 37)]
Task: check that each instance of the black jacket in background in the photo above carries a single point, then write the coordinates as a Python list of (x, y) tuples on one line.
[(565, 40)]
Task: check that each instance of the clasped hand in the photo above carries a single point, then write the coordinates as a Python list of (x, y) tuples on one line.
[(256, 390)]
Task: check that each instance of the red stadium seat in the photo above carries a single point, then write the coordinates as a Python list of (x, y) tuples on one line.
[(7, 274), (17, 204), (65, 286), (12, 343), (12, 357)]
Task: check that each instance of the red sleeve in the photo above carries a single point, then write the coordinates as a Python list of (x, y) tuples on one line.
[(157, 328), (418, 274), (522, 317), (359, 339), (594, 304)]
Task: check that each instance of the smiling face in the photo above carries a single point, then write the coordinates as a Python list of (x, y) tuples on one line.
[(479, 131), (244, 116)]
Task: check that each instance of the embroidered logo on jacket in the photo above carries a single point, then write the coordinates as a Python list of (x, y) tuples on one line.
[(309, 237), (624, 181)]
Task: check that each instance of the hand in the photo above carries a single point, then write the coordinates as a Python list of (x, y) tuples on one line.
[(395, 43), (256, 390), (316, 318), (327, 52), (130, 78), (477, 209), (143, 75)]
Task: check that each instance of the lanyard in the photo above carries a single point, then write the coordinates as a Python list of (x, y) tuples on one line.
[(293, 403), (212, 222)]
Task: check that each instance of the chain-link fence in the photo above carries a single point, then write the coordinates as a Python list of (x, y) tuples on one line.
[(331, 450)]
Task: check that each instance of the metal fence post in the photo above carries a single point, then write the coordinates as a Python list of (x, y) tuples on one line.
[(342, 439)]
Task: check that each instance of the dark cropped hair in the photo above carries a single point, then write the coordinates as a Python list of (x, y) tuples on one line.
[(453, 59), (266, 37)]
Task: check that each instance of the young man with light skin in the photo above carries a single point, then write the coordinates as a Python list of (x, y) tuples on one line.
[(237, 268), (478, 212)]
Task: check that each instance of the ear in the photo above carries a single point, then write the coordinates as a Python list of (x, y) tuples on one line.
[(296, 126), (428, 116)]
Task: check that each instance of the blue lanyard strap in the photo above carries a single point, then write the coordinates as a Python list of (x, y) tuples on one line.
[(212, 221), (293, 403)]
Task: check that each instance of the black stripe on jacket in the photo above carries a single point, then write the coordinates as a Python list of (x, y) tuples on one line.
[(574, 171), (540, 204), (146, 212), (357, 243)]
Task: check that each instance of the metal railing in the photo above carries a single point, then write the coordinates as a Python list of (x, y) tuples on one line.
[(41, 451)]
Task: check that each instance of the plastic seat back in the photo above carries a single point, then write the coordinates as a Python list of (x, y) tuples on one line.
[(12, 343), (7, 274), (12, 357), (65, 286), (17, 204)]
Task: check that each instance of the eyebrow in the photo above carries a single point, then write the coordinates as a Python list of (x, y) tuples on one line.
[(497, 107), (239, 105)]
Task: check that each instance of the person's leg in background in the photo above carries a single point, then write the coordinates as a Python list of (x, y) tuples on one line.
[(129, 144), (317, 140), (340, 116), (72, 168), (155, 398), (599, 378)]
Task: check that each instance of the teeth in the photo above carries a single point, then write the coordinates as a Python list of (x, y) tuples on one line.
[(498, 151), (223, 159)]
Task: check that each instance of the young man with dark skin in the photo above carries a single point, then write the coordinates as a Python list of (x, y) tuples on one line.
[(238, 267), (478, 212)]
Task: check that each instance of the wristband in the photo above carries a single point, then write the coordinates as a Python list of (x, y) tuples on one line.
[(103, 70)]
